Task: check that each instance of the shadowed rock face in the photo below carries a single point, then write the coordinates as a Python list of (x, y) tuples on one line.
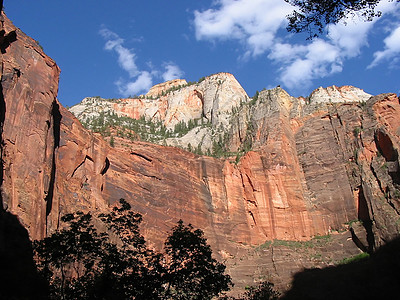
[(376, 277), (314, 166), (18, 275)]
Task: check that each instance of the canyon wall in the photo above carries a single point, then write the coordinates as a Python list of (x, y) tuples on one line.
[(315, 166), (29, 127)]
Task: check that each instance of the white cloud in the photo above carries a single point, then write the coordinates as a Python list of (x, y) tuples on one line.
[(142, 83), (322, 51), (297, 73), (253, 22), (108, 34), (321, 58), (351, 34), (139, 80), (350, 37), (392, 48), (172, 71), (284, 52), (126, 57), (302, 65), (256, 24), (260, 42)]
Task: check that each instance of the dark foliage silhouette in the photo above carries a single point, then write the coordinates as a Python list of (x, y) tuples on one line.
[(264, 291), (79, 262), (192, 272), (312, 16)]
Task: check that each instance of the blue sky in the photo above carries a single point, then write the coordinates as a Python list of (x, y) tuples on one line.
[(121, 48)]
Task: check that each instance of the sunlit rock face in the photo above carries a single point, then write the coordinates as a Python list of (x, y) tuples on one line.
[(174, 101), (29, 125), (334, 94), (314, 165)]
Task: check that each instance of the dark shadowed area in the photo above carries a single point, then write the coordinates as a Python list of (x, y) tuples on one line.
[(376, 277), (18, 276)]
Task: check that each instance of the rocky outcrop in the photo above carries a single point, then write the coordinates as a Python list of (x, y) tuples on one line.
[(208, 103), (173, 102), (307, 169), (334, 94)]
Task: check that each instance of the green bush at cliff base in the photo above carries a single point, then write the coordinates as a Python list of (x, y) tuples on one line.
[(359, 257)]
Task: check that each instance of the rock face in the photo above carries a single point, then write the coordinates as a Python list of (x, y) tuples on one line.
[(174, 101), (209, 102), (29, 121), (314, 166)]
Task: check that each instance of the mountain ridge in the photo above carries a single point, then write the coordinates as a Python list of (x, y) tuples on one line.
[(191, 110)]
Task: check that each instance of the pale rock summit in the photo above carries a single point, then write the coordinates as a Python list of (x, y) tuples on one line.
[(334, 94), (158, 89), (210, 102), (174, 101)]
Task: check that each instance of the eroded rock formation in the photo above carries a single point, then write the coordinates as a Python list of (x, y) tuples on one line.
[(315, 165)]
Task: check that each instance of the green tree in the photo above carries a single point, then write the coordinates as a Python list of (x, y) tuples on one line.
[(313, 15), (78, 262), (192, 272), (69, 260), (255, 97), (137, 271)]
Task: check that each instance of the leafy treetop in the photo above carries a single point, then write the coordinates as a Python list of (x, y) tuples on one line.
[(313, 16)]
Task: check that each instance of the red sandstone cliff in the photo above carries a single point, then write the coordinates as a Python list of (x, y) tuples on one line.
[(29, 121), (314, 167)]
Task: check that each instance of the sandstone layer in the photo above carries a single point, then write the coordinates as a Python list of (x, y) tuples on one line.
[(315, 166)]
